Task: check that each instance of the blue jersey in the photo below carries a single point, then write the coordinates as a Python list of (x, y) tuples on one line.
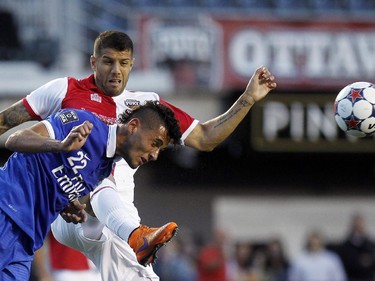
[(35, 187)]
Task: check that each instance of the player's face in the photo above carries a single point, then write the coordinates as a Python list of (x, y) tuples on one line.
[(144, 145), (111, 70)]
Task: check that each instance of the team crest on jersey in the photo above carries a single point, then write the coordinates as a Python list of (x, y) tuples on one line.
[(96, 97), (68, 116), (130, 102)]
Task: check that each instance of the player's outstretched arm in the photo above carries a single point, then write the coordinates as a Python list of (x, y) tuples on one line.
[(13, 116), (36, 139), (208, 135)]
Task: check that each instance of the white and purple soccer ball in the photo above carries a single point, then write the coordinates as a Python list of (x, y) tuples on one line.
[(354, 109)]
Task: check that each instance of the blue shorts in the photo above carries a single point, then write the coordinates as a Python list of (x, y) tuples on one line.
[(15, 251)]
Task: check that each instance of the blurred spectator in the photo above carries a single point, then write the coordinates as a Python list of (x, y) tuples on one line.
[(177, 261), (317, 263), (358, 251), (277, 264), (241, 264), (211, 262), (258, 267)]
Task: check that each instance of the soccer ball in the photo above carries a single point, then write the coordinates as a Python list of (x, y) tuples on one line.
[(354, 109)]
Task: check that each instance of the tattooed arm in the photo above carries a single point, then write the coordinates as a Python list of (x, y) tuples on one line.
[(207, 136), (13, 116)]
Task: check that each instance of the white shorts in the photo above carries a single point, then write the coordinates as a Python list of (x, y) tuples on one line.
[(113, 257)]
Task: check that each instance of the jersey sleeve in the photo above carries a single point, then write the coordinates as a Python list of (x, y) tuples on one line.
[(60, 124), (47, 99), (187, 123)]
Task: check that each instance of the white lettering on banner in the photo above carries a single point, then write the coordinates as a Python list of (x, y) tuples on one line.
[(187, 49), (276, 117), (312, 54), (286, 53), (320, 121), (367, 51), (179, 43), (296, 127), (247, 51), (301, 121)]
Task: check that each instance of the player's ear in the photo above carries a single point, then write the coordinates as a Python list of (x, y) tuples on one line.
[(93, 62), (132, 63), (133, 125)]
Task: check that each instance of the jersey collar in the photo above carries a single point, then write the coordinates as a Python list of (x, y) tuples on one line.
[(111, 144)]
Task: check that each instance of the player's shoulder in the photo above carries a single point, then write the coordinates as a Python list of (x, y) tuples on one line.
[(85, 83), (57, 82), (69, 115)]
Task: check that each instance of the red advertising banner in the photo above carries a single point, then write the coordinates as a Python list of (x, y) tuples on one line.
[(222, 53)]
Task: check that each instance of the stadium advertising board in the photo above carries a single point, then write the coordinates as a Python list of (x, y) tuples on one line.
[(187, 48), (222, 52), (300, 123)]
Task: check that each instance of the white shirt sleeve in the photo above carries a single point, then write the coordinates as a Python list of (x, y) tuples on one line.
[(47, 99), (51, 131)]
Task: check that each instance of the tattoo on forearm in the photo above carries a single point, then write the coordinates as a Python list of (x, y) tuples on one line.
[(13, 117), (49, 147), (230, 114), (245, 103)]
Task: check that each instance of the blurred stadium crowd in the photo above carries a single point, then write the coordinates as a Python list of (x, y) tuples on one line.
[(352, 259), (189, 258)]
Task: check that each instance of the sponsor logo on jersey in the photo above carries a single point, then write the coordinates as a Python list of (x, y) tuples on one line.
[(130, 102), (106, 119), (68, 116), (96, 97), (72, 186)]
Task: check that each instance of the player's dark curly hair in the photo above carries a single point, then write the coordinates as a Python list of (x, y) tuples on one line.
[(152, 114), (113, 39)]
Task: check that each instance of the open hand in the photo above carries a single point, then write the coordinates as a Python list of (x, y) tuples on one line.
[(260, 84)]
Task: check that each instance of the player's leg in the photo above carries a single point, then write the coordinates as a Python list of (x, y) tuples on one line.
[(111, 255), (100, 248), (73, 236), (116, 214), (15, 251), (144, 240), (119, 260)]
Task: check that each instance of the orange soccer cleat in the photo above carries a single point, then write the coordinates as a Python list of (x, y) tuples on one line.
[(146, 241)]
